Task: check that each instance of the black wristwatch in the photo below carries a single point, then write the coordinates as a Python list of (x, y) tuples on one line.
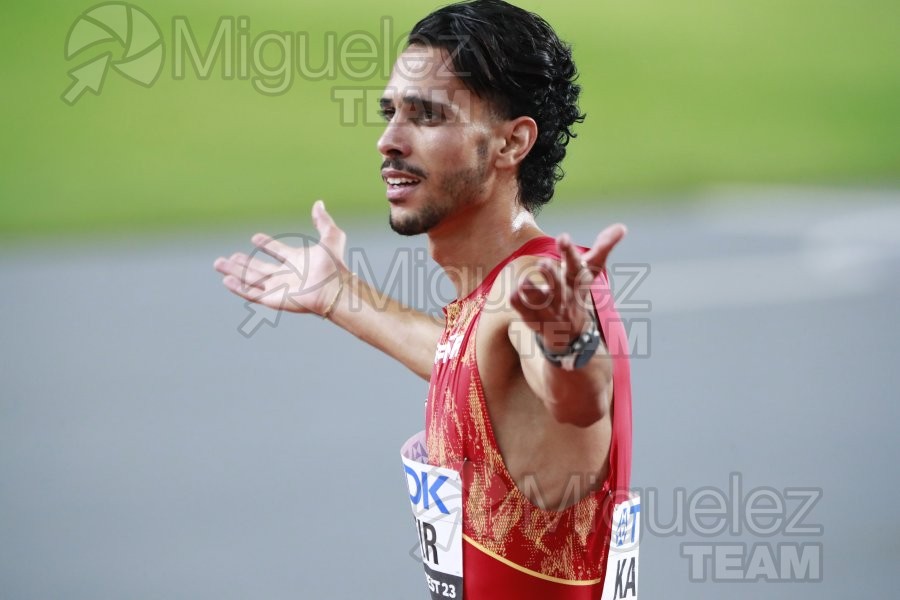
[(578, 353)]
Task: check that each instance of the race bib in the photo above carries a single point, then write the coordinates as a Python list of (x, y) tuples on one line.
[(622, 564), (436, 497)]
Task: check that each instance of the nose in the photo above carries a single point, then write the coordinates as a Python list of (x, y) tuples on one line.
[(393, 142)]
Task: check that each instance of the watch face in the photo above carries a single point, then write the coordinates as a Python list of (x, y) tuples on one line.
[(586, 350)]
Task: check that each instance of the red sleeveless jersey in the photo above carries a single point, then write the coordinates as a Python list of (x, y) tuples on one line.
[(512, 548)]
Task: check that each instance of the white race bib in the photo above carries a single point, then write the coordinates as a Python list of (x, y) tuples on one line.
[(621, 579), (436, 496)]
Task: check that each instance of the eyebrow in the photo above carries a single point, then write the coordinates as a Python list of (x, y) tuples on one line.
[(386, 102)]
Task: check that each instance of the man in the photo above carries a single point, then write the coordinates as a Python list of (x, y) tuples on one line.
[(528, 411)]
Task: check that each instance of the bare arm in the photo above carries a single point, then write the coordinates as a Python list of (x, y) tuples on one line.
[(315, 279), (559, 311), (408, 335)]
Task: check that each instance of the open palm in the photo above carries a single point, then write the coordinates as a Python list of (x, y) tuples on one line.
[(304, 276)]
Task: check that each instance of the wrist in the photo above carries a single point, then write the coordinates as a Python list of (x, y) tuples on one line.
[(344, 278), (578, 352)]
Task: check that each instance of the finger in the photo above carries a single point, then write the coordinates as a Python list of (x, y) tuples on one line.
[(536, 299), (330, 234), (595, 258), (530, 298), (253, 270), (245, 275), (276, 297), (246, 269), (578, 274), (532, 306), (277, 250), (226, 266), (555, 290), (240, 288), (572, 259), (255, 263), (528, 302), (252, 277)]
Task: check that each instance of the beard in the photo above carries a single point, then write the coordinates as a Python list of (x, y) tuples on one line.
[(457, 189), (420, 222)]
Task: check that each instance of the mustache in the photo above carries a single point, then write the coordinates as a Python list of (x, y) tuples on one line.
[(400, 165)]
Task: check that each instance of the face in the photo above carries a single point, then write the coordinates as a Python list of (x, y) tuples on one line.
[(435, 145)]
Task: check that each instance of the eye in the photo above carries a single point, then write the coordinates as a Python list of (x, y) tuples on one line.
[(428, 115), (386, 113)]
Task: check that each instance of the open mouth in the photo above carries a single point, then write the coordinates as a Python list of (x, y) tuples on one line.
[(400, 182)]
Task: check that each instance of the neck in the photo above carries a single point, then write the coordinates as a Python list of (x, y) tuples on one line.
[(475, 240)]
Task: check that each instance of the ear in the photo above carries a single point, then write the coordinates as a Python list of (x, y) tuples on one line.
[(519, 135)]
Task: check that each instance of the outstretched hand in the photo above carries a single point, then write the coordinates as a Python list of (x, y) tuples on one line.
[(304, 278), (560, 308)]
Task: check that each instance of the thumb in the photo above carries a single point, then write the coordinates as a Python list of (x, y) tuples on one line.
[(596, 257), (321, 218), (331, 235), (325, 225)]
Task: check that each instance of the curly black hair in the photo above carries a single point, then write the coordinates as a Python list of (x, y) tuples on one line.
[(513, 59)]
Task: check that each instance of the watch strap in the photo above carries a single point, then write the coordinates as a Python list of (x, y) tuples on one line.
[(579, 351)]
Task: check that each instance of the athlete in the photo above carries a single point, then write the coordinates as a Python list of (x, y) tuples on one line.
[(528, 408)]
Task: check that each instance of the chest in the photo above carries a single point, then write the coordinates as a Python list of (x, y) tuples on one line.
[(477, 393)]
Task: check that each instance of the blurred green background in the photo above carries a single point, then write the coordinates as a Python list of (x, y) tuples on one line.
[(679, 95)]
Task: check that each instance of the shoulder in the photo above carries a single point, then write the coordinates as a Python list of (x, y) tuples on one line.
[(498, 313), (517, 271)]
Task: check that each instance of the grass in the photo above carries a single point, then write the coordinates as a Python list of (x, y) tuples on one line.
[(678, 96)]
